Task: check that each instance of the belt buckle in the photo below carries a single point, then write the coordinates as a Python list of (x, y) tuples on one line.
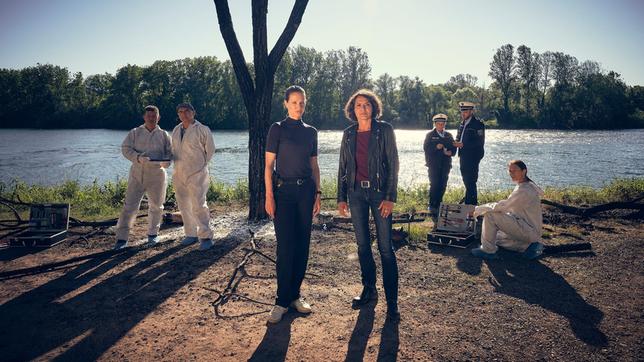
[(299, 182), (365, 184)]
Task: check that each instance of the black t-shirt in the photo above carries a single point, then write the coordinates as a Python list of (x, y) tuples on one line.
[(294, 142)]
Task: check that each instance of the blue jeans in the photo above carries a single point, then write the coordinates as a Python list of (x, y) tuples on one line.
[(360, 202)]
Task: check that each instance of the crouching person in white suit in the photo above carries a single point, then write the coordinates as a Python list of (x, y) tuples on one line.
[(192, 149), (514, 223), (149, 149)]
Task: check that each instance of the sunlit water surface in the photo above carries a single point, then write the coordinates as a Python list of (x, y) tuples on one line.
[(554, 158)]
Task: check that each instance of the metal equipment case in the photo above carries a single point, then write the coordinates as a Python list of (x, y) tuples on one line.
[(455, 226), (48, 225)]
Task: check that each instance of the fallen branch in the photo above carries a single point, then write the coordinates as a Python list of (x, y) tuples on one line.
[(110, 222), (14, 231), (9, 204), (230, 291), (85, 237), (588, 211), (555, 249), (397, 219)]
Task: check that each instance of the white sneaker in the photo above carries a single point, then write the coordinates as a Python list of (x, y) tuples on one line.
[(276, 314), (301, 306)]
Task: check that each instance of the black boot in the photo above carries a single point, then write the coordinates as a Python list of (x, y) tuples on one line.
[(368, 294)]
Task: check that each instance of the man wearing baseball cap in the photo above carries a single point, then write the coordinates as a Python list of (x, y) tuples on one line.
[(470, 140), (192, 149)]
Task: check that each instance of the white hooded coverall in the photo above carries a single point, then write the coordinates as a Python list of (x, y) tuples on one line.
[(513, 223), (147, 178), (191, 177)]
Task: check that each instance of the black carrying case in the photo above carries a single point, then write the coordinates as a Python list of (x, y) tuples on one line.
[(48, 224)]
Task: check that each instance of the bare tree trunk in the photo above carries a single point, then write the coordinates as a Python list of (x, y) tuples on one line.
[(257, 141), (258, 94)]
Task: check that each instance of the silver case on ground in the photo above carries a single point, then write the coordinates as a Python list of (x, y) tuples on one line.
[(454, 226)]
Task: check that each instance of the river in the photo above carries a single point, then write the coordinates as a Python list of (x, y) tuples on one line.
[(554, 158)]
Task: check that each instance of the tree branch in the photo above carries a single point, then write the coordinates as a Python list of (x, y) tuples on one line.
[(588, 211), (260, 46), (287, 34), (234, 50), (8, 203)]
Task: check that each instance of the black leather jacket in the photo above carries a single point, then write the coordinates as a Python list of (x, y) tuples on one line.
[(383, 161)]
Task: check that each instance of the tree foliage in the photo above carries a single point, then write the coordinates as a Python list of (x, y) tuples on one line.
[(547, 90)]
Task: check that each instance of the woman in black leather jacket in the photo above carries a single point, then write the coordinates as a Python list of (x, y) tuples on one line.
[(368, 180)]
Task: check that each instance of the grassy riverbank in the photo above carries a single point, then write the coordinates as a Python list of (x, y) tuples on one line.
[(100, 201)]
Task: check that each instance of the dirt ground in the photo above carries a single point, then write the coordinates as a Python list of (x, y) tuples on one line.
[(81, 301)]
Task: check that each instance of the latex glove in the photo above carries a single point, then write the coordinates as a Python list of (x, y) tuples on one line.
[(143, 159), (482, 209), (164, 164)]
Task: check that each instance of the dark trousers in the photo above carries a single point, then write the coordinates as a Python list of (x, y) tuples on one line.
[(360, 202), (293, 218), (438, 175), (470, 174)]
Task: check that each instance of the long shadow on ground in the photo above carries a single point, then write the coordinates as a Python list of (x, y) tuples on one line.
[(100, 256), (537, 284), (12, 253), (88, 324), (277, 337), (464, 261), (389, 342), (361, 333)]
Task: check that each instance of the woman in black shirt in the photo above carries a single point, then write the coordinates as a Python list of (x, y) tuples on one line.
[(292, 177)]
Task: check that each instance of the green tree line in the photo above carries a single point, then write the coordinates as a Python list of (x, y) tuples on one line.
[(530, 90)]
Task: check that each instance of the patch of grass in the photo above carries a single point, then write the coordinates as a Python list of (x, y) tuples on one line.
[(418, 231), (89, 202), (101, 201), (329, 189), (219, 192), (616, 190)]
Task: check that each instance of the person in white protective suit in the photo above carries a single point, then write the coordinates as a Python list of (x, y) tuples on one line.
[(192, 149), (148, 147), (514, 223)]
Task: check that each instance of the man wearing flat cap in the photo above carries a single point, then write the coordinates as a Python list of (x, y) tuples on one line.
[(439, 149), (470, 140), (192, 149)]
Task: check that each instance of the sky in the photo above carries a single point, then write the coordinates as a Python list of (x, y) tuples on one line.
[(431, 39)]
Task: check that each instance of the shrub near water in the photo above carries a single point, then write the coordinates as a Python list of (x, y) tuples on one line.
[(91, 202), (95, 202)]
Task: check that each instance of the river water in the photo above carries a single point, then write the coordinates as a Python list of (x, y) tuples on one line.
[(554, 158)]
